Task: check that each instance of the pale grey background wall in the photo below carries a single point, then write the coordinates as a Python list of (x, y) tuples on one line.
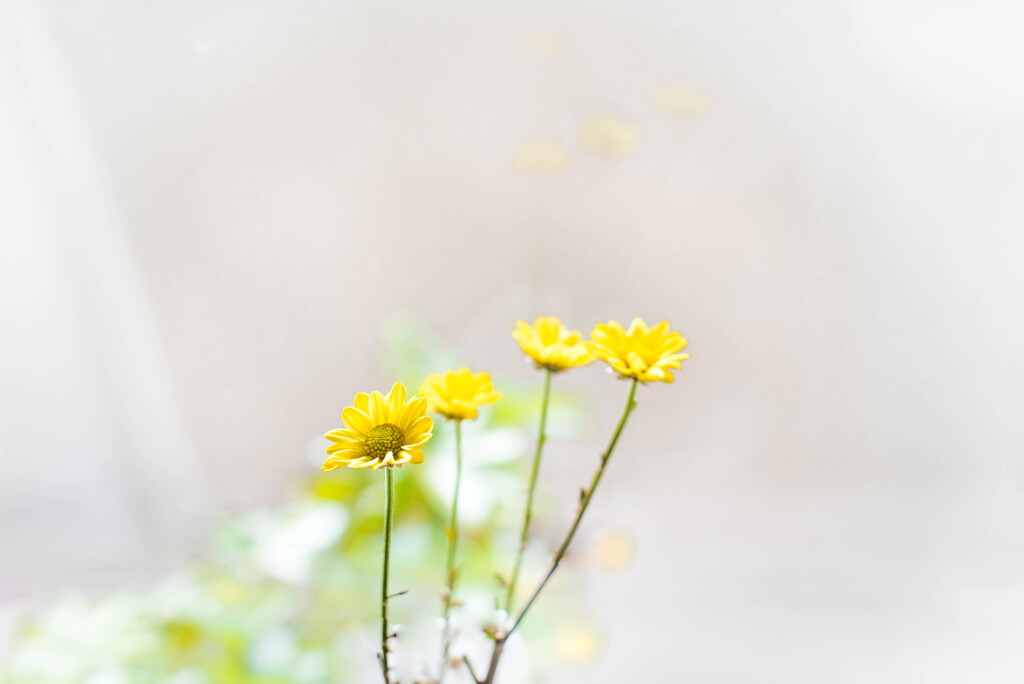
[(211, 208)]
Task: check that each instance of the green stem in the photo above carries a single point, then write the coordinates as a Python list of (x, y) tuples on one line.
[(453, 543), (585, 497), (389, 506), (534, 469)]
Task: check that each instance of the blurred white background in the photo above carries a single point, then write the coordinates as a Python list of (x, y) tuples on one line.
[(208, 210)]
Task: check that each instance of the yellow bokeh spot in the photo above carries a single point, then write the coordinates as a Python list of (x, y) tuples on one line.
[(542, 156), (542, 45), (331, 488), (578, 643), (614, 551), (183, 635), (679, 101), (228, 592), (608, 136)]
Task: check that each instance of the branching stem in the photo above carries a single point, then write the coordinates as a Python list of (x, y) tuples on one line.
[(585, 497)]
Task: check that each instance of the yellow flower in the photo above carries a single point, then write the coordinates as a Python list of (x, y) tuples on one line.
[(644, 353), (551, 345), (458, 394), (380, 431)]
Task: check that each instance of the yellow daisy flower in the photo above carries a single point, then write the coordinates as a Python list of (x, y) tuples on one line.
[(380, 431), (644, 353), (551, 345), (458, 394)]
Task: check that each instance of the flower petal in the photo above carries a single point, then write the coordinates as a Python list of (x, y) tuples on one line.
[(331, 464), (357, 420), (365, 463), (339, 449), (378, 409), (342, 435), (412, 411), (420, 426), (395, 401)]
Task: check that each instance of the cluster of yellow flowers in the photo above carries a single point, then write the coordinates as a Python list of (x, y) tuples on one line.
[(385, 431)]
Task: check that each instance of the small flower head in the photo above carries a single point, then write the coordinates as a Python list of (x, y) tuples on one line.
[(551, 345), (380, 431), (458, 394), (644, 353)]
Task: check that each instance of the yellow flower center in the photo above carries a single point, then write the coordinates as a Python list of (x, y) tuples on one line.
[(382, 439)]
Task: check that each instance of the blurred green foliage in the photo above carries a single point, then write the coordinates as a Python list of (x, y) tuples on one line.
[(289, 596)]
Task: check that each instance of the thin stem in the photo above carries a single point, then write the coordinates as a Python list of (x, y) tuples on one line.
[(469, 666), (492, 668), (453, 543), (389, 506), (585, 497), (534, 470)]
